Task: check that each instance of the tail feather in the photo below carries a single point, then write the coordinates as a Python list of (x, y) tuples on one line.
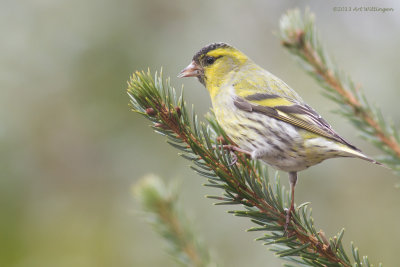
[(358, 154), (372, 161)]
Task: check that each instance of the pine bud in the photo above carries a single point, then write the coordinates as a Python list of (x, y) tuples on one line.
[(151, 112)]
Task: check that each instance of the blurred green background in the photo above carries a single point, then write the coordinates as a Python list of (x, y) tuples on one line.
[(71, 149)]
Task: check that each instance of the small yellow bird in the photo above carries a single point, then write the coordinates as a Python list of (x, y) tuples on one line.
[(265, 117)]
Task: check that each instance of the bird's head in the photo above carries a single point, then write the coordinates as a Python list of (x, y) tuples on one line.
[(212, 64)]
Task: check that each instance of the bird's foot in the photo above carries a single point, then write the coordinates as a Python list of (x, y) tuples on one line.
[(233, 148), (287, 221), (234, 159)]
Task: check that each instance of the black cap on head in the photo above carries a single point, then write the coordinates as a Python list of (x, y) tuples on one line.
[(207, 49)]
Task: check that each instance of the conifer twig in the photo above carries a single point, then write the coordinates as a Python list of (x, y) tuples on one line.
[(245, 183), (299, 35), (161, 203)]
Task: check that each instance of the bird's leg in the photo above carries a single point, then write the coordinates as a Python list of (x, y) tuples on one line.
[(238, 149), (292, 181)]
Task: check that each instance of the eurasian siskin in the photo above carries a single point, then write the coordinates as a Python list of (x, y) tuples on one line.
[(265, 117)]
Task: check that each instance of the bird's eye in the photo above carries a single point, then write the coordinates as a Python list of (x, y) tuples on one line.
[(210, 60)]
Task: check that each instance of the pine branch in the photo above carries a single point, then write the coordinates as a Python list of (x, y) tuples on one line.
[(245, 183), (168, 221), (299, 36)]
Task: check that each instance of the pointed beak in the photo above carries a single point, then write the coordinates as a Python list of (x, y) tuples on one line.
[(193, 70)]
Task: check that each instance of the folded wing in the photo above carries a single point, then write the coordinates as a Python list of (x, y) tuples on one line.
[(295, 113)]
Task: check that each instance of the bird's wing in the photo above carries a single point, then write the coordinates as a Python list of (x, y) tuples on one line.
[(290, 111)]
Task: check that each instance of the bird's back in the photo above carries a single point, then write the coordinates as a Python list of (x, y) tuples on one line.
[(262, 81), (264, 115)]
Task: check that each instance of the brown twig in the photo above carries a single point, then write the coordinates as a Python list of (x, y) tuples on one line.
[(295, 228), (297, 42), (349, 98)]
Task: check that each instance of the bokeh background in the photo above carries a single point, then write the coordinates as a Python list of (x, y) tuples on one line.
[(70, 149)]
